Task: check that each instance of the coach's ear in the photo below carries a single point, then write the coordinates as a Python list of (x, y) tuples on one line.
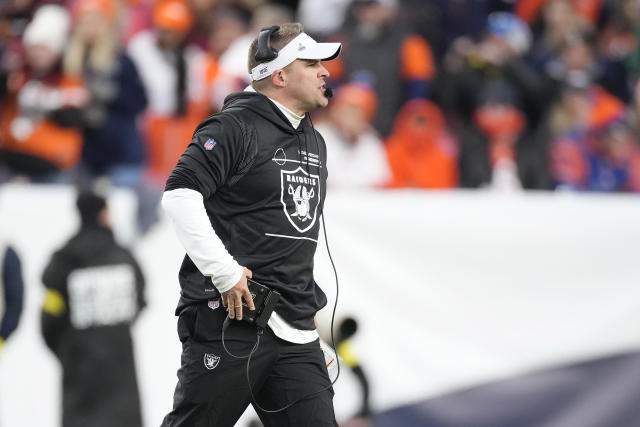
[(279, 78)]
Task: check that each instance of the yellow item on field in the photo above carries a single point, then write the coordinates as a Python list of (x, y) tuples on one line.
[(344, 350), (54, 303)]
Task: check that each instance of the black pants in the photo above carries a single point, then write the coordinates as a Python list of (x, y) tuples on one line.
[(212, 388)]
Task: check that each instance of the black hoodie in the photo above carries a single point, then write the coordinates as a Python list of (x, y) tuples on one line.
[(102, 289), (263, 185)]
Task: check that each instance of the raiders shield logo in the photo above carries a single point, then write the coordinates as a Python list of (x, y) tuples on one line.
[(300, 195), (211, 361)]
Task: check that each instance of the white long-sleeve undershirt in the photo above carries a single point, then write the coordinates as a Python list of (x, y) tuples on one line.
[(186, 209)]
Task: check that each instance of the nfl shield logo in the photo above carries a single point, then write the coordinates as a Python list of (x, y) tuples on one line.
[(209, 144), (211, 361), (300, 196)]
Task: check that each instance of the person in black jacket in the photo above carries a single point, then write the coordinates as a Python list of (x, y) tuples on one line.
[(93, 293), (11, 292), (245, 199)]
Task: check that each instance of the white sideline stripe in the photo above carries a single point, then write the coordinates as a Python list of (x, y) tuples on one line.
[(290, 237), (311, 162)]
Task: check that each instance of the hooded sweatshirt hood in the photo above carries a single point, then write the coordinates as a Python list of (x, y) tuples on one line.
[(261, 105)]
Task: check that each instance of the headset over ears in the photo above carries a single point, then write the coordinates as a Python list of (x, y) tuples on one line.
[(265, 52)]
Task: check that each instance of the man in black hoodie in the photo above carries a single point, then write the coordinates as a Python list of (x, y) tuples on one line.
[(93, 294), (245, 199)]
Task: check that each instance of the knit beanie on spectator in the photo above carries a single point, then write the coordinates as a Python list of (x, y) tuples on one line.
[(49, 27), (360, 96), (513, 30), (173, 15)]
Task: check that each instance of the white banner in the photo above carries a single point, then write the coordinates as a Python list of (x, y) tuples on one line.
[(450, 289)]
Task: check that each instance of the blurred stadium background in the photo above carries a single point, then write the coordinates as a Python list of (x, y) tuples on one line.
[(482, 207)]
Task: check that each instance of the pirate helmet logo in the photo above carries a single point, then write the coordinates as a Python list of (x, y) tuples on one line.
[(300, 197), (211, 361)]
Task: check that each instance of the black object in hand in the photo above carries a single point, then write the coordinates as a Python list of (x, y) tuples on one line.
[(264, 300)]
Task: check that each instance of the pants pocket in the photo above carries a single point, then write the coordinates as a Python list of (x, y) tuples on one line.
[(209, 321)]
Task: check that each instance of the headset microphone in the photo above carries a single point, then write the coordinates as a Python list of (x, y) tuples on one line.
[(328, 92)]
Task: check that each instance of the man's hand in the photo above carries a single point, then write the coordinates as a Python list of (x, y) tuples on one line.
[(232, 299)]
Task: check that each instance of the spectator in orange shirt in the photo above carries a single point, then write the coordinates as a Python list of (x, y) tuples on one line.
[(172, 72), (37, 117), (421, 151)]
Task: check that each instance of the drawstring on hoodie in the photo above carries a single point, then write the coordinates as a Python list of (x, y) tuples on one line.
[(300, 151), (306, 150)]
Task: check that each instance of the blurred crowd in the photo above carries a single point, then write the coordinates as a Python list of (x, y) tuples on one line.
[(506, 94), (510, 95)]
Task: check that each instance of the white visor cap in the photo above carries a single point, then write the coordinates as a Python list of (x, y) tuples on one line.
[(301, 47)]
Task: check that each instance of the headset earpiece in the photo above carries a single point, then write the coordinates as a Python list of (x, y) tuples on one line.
[(265, 52)]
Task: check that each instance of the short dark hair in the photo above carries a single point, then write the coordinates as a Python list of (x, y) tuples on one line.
[(279, 39), (89, 206)]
